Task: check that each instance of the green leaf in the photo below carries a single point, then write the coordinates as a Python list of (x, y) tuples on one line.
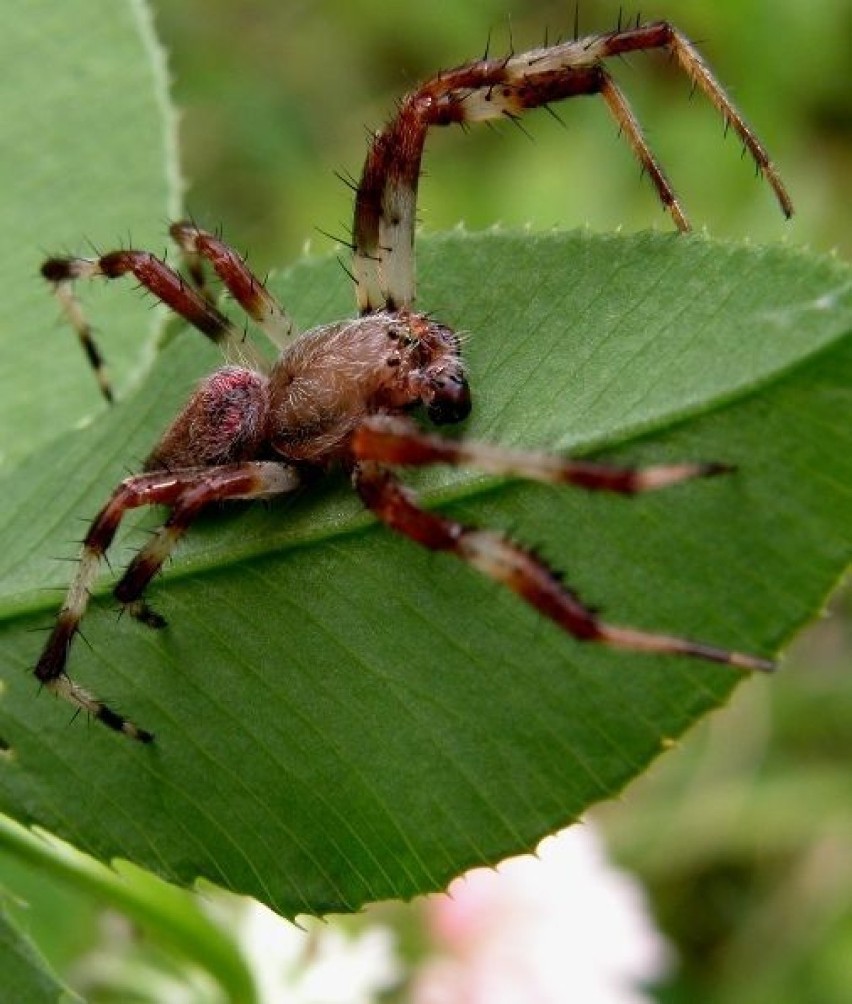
[(90, 159), (26, 975), (169, 915), (341, 716)]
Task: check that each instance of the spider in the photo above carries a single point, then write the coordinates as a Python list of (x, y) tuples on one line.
[(340, 393)]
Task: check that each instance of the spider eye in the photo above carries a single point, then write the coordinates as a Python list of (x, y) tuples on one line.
[(451, 402)]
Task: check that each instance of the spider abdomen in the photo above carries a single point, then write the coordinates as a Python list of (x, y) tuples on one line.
[(224, 422)]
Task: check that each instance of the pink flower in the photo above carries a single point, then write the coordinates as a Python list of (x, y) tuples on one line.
[(562, 926)]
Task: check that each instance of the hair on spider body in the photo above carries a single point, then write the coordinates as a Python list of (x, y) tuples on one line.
[(340, 393)]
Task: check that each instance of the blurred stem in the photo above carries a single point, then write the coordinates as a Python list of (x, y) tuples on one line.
[(167, 913)]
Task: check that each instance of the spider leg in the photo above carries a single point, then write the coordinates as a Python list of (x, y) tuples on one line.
[(198, 245), (663, 35), (392, 440), (185, 493), (504, 88), (506, 561), (161, 280), (629, 125)]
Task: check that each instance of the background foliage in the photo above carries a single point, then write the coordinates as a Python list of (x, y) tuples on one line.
[(263, 110)]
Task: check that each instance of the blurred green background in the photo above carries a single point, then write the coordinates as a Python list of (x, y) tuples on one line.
[(744, 835), (278, 95)]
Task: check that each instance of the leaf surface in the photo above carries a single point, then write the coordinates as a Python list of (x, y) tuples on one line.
[(26, 976), (89, 161), (343, 717)]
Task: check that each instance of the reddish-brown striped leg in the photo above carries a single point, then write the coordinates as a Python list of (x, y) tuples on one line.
[(198, 246), (663, 35), (505, 88), (629, 126), (523, 572), (166, 284), (398, 441), (185, 493)]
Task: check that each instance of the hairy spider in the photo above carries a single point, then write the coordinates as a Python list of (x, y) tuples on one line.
[(340, 393)]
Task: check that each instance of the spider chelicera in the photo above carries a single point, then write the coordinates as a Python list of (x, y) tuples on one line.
[(339, 394)]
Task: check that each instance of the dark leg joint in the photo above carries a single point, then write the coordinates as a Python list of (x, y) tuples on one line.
[(118, 723)]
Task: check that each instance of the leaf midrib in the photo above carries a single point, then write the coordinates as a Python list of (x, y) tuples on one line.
[(458, 490)]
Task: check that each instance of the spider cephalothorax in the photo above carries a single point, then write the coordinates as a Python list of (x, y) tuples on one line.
[(340, 393)]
